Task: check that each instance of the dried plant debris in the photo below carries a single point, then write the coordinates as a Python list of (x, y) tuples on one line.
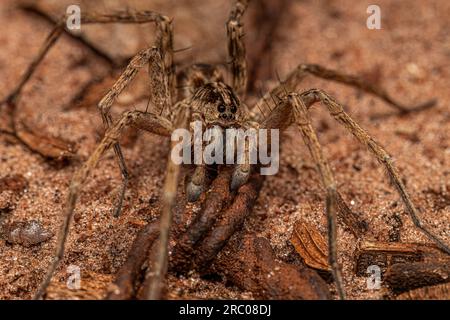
[(386, 254), (269, 278), (199, 244), (27, 234), (352, 220), (46, 146), (310, 245), (437, 292), (405, 266), (406, 276)]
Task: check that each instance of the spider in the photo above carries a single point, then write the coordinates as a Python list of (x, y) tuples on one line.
[(199, 93)]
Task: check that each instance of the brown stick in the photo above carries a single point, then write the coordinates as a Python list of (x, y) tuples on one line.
[(251, 265), (287, 282), (268, 279), (387, 254), (437, 292), (406, 276), (130, 276), (230, 222), (126, 278), (217, 197)]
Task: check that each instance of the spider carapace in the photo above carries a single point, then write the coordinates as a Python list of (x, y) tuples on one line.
[(216, 106)]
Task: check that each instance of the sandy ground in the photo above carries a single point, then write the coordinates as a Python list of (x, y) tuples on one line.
[(409, 56)]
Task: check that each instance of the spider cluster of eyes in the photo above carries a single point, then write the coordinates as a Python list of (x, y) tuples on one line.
[(230, 146)]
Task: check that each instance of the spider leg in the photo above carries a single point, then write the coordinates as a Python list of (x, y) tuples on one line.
[(242, 169), (158, 272), (295, 77), (236, 47), (160, 60), (293, 110), (160, 97), (198, 183), (141, 120), (163, 84), (303, 122), (163, 39), (336, 110)]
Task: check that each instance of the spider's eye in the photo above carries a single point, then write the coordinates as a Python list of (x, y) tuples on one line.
[(221, 108), (233, 109)]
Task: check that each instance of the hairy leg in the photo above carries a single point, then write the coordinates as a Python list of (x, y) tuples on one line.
[(291, 110), (161, 71), (198, 183), (159, 98), (145, 121), (293, 80), (303, 122), (336, 110), (236, 47), (157, 274), (164, 40)]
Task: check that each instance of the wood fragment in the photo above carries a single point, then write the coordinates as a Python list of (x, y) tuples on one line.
[(250, 264), (356, 225), (269, 278), (218, 196), (407, 276), (124, 286), (92, 287), (130, 279), (437, 292), (46, 146), (312, 246), (229, 223), (385, 254)]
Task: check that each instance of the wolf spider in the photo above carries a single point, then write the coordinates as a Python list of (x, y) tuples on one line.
[(201, 94)]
